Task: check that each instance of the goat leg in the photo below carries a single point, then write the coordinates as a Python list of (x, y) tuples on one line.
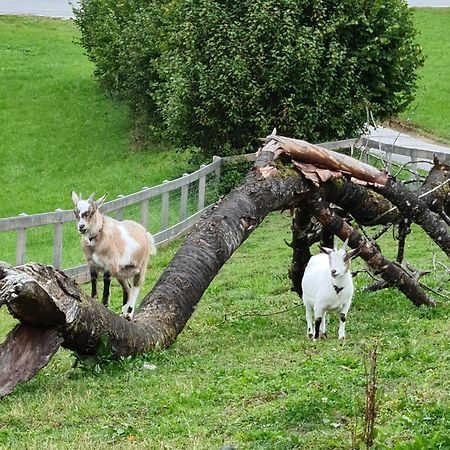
[(106, 285), (94, 275)]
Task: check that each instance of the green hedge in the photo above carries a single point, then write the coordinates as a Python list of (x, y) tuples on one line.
[(220, 74)]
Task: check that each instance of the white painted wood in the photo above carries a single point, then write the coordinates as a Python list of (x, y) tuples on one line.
[(21, 242), (118, 215), (58, 243), (144, 210), (201, 193), (165, 209), (184, 200)]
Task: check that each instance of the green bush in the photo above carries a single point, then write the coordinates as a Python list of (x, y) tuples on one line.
[(220, 74), (123, 40)]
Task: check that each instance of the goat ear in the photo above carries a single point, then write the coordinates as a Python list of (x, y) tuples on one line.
[(100, 201), (352, 254), (326, 250), (75, 198)]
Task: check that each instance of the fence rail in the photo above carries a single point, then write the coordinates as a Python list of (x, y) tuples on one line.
[(164, 232), (410, 152)]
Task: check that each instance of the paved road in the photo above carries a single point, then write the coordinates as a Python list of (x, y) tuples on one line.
[(63, 8), (429, 3), (401, 139), (394, 137), (48, 8)]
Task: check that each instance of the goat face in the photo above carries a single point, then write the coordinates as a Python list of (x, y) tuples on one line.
[(339, 259), (87, 215)]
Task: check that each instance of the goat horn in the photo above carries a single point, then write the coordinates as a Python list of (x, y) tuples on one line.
[(91, 197), (344, 247)]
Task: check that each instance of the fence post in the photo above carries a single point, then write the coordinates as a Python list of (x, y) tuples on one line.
[(184, 200), (201, 191), (58, 243), (414, 175), (165, 208), (118, 215), (144, 210), (217, 171), (21, 242), (365, 155)]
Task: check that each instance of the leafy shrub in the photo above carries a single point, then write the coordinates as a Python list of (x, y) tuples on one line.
[(123, 40), (220, 74)]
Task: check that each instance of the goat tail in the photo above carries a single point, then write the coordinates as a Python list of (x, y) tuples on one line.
[(151, 241)]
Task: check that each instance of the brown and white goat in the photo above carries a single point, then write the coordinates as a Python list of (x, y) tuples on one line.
[(119, 249)]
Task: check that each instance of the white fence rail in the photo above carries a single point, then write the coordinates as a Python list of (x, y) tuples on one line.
[(187, 211)]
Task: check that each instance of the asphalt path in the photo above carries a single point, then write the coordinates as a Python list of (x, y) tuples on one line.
[(63, 8), (48, 8)]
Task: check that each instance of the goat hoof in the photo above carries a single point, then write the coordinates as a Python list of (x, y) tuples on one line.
[(323, 336), (127, 312)]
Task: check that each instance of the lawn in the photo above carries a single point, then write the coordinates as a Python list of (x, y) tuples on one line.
[(242, 373), (59, 132), (430, 111)]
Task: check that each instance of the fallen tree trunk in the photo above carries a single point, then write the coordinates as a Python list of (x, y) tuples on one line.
[(46, 299)]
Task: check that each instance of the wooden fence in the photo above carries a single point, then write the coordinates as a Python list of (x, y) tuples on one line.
[(23, 223)]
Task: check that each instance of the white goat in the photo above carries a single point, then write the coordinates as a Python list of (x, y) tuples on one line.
[(327, 286), (118, 249)]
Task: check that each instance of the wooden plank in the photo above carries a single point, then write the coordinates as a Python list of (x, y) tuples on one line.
[(118, 213), (58, 244), (201, 193), (414, 174), (184, 201), (35, 220), (165, 210), (144, 210), (21, 242)]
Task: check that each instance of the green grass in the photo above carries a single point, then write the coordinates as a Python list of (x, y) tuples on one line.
[(431, 109), (240, 374), (59, 131)]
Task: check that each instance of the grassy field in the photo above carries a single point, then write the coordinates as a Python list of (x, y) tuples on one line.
[(59, 132), (431, 109), (242, 372)]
